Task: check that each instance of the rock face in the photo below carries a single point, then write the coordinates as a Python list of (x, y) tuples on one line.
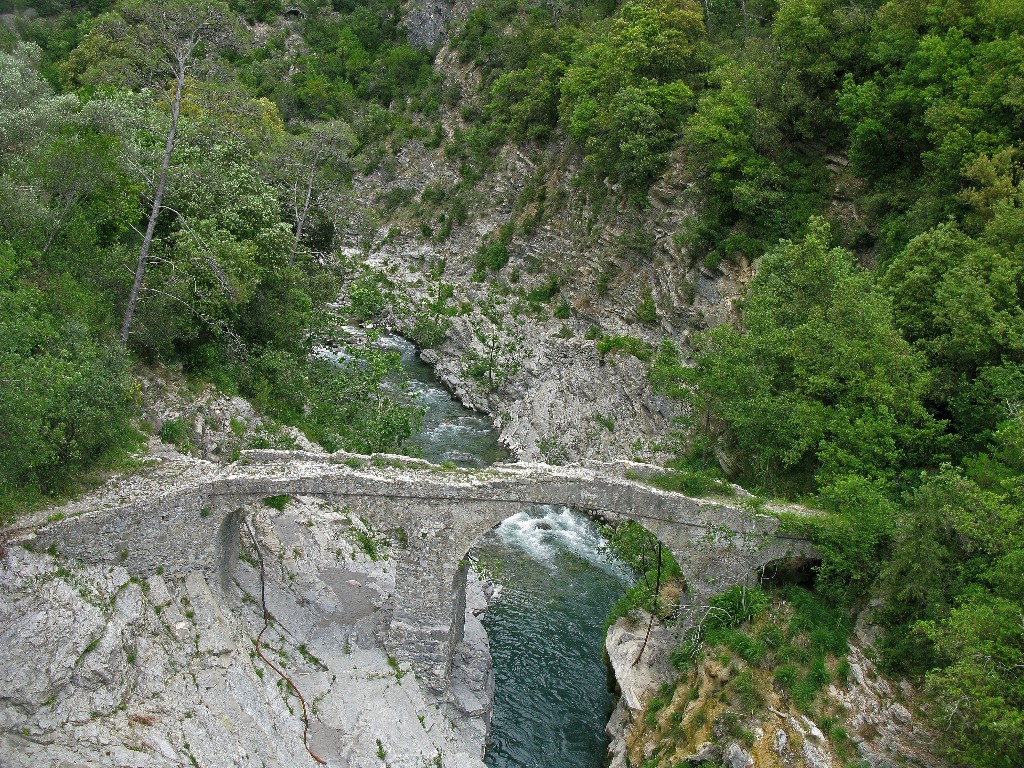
[(566, 402), (628, 643), (640, 664), (99, 668), (206, 423), (737, 757), (594, 268), (425, 21), (886, 732)]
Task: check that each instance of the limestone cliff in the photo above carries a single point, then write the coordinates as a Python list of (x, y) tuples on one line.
[(99, 668), (576, 269), (733, 711)]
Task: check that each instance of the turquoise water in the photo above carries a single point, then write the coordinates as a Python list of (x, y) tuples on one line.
[(546, 631), (546, 626), (451, 431)]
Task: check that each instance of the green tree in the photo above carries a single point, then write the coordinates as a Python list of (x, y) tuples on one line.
[(28, 107), (623, 97), (982, 690), (356, 405), (817, 383), (499, 351), (960, 300), (526, 100), (954, 597), (941, 90), (308, 165), (65, 398), (652, 565), (151, 43), (753, 184)]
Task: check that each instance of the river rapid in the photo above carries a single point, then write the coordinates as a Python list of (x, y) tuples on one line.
[(556, 586)]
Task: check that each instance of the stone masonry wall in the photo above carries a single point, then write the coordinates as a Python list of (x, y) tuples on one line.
[(437, 513)]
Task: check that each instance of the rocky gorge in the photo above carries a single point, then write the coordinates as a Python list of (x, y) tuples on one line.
[(567, 399), (287, 657), (113, 660)]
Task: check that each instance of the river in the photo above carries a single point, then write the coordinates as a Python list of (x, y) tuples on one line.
[(546, 627)]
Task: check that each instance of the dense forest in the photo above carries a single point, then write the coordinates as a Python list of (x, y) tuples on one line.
[(173, 184), (155, 209)]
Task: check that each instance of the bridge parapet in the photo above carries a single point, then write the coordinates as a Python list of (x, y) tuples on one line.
[(193, 524)]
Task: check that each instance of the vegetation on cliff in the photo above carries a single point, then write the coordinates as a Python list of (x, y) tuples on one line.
[(190, 207), (154, 208), (888, 395), (819, 396)]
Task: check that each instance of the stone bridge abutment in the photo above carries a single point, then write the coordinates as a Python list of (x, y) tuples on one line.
[(436, 514)]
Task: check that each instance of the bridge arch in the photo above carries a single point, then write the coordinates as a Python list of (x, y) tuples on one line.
[(717, 545), (440, 513)]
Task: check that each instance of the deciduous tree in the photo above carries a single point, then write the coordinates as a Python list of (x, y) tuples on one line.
[(157, 43)]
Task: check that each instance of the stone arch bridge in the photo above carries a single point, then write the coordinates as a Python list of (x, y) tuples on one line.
[(194, 524)]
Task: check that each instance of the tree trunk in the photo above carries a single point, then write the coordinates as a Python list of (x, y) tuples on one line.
[(158, 197), (654, 609), (300, 219)]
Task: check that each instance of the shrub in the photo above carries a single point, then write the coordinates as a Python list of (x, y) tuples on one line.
[(429, 330), (277, 502), (631, 345), (735, 606), (366, 299), (746, 690), (492, 256), (176, 432), (605, 277), (545, 292), (646, 311)]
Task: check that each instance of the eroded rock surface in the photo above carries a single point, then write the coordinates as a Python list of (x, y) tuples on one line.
[(876, 722), (101, 669), (200, 420), (887, 733)]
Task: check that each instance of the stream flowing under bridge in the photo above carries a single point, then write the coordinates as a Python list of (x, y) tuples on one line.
[(436, 514)]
